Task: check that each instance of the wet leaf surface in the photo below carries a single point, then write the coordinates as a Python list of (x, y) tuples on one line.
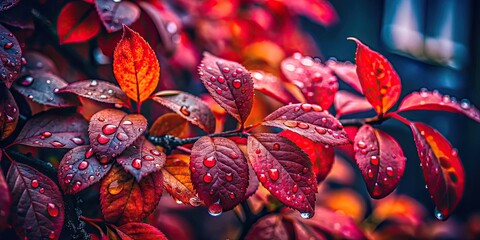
[(284, 170), (189, 107), (348, 103), (268, 228), (37, 204), (142, 231), (10, 56), (79, 169), (229, 83), (125, 200), (308, 120), (38, 63), (100, 91), (219, 172), (77, 22), (9, 112), (54, 129), (169, 124), (116, 13), (272, 86), (111, 131), (5, 201), (380, 159), (347, 72), (177, 180), (442, 168), (319, 11)]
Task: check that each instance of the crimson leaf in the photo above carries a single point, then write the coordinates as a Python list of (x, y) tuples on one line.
[(8, 112), (5, 201), (53, 129), (116, 13), (252, 182), (189, 107), (425, 100), (272, 86), (142, 231), (335, 223), (10, 56), (77, 22), (219, 172), (111, 131), (268, 227), (284, 169), (348, 103), (229, 83), (309, 120), (381, 160), (347, 72), (37, 205), (442, 169), (100, 91), (80, 169)]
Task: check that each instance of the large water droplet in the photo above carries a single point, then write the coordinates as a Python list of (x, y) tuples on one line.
[(276, 146), (221, 79), (109, 129), (155, 152), (83, 165), (218, 90), (390, 171), (57, 144), (115, 188), (137, 163), (290, 123), (273, 174), (209, 161), (361, 144), (215, 209), (8, 45), (76, 186), (26, 81), (102, 139), (439, 215), (228, 177), (321, 130), (148, 158), (122, 136), (52, 210), (77, 140), (237, 83), (208, 178), (127, 122), (46, 135), (262, 178), (465, 104), (89, 153), (184, 111), (306, 215), (302, 125), (34, 183), (374, 160)]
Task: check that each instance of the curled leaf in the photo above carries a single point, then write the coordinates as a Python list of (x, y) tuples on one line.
[(380, 159), (169, 124), (53, 129), (219, 172), (77, 22), (425, 100), (229, 83), (135, 64), (189, 107), (125, 200), (114, 14), (177, 180), (100, 91), (348, 103), (284, 170), (142, 231), (37, 204), (380, 82), (10, 56), (8, 112), (79, 169), (442, 169), (309, 120)]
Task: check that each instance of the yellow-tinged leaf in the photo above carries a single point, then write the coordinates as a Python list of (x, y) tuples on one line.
[(169, 124)]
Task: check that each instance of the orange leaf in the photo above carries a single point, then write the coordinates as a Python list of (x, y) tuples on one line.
[(177, 180), (170, 124), (135, 66)]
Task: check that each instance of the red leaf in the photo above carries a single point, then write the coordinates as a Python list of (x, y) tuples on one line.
[(77, 22), (313, 78), (380, 83), (7, 4), (140, 231), (38, 63), (285, 171), (125, 200), (335, 223), (79, 169), (442, 169), (252, 182), (100, 91), (425, 100), (10, 56), (321, 155), (189, 107), (141, 158), (320, 11), (54, 129), (114, 14), (5, 201), (8, 112), (381, 160), (177, 180), (37, 204), (111, 131), (229, 83), (272, 86), (44, 88), (135, 65), (348, 103), (219, 173), (269, 227), (347, 72), (309, 120)]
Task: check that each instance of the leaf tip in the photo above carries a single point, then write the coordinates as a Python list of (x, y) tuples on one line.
[(358, 42)]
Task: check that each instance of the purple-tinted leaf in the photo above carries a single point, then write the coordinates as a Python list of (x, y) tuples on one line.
[(380, 159), (80, 169), (11, 16), (54, 129), (336, 224), (313, 78), (111, 131), (44, 88), (425, 100), (5, 201), (100, 91), (252, 182), (8, 112), (268, 228), (37, 204), (189, 107), (142, 231), (309, 120), (38, 63), (116, 13), (284, 170), (219, 172), (177, 180), (272, 86), (229, 83), (442, 169), (348, 103), (141, 158), (347, 72), (125, 200), (10, 56), (7, 4)]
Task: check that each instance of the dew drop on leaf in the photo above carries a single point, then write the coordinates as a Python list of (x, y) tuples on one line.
[(232, 195), (155, 152), (184, 111), (77, 140), (237, 83), (361, 144), (390, 172), (109, 129), (83, 165), (228, 177), (209, 162), (215, 209), (51, 235), (208, 178), (102, 139), (57, 144), (276, 146), (76, 186), (148, 158), (122, 136), (26, 81), (137, 163), (321, 130), (374, 160), (52, 209), (306, 215), (115, 188), (46, 134), (194, 201), (439, 215), (295, 188), (89, 153), (34, 183), (273, 174), (262, 178), (127, 122)]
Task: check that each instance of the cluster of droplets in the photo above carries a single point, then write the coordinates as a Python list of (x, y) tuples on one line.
[(435, 97), (238, 76), (52, 209), (47, 135), (7, 61), (10, 112)]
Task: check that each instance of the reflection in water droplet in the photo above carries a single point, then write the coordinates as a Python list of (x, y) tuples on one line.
[(52, 210), (209, 161), (137, 163), (273, 174), (83, 165), (184, 111), (122, 136), (194, 201), (262, 178), (115, 188), (306, 215), (215, 209), (108, 129), (57, 144), (439, 215), (208, 178), (34, 183)]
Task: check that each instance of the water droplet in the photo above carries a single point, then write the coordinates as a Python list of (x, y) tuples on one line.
[(232, 195), (68, 178), (225, 69), (209, 161), (57, 144), (91, 178), (52, 210), (207, 178), (192, 169), (115, 188), (317, 77), (148, 158), (374, 160), (262, 178), (289, 67), (306, 215), (122, 136), (306, 107), (229, 177), (83, 165), (273, 174), (155, 152), (51, 235), (42, 190), (361, 144), (127, 122), (221, 79), (276, 146), (76, 186), (439, 215), (194, 201), (237, 83), (320, 130), (77, 140), (218, 90), (8, 45), (102, 139), (34, 183), (215, 209), (258, 151), (302, 125), (89, 153), (454, 152), (184, 111), (94, 83), (390, 171), (137, 163), (465, 104), (46, 135), (295, 188), (109, 129), (370, 173), (290, 123), (233, 155)]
